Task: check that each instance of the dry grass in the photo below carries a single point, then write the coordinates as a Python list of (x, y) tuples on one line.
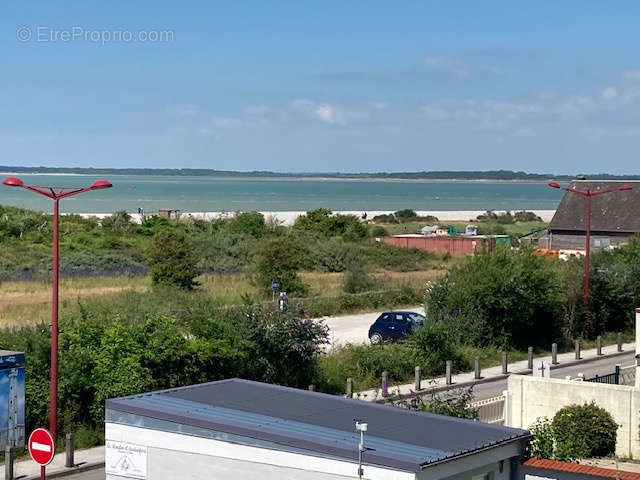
[(28, 302)]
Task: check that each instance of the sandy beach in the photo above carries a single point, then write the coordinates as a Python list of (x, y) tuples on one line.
[(288, 218)]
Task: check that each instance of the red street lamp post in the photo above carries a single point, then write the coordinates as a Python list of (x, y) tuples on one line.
[(55, 193), (588, 193)]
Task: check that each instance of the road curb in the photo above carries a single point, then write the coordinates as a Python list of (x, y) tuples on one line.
[(496, 378), (69, 471)]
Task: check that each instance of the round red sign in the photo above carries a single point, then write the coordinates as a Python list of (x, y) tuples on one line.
[(41, 446)]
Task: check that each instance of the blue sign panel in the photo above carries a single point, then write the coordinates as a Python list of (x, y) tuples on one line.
[(12, 430)]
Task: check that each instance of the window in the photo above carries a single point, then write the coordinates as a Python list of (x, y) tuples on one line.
[(416, 318), (399, 318)]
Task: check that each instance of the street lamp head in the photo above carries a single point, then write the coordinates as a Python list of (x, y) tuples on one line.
[(554, 184), (13, 182), (98, 184), (625, 187)]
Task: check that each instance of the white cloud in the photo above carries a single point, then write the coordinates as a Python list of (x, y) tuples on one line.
[(457, 66), (186, 111), (328, 113), (609, 93)]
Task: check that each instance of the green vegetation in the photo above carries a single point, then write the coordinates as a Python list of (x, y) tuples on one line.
[(504, 298), (576, 432), (319, 241), (518, 298), (584, 431), (403, 216), (279, 258), (160, 339), (173, 260)]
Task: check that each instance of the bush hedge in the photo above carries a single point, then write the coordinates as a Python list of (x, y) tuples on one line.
[(584, 431)]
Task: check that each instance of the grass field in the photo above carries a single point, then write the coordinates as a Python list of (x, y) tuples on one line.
[(28, 302)]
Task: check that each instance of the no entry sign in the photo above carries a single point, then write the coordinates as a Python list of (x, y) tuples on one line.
[(41, 446)]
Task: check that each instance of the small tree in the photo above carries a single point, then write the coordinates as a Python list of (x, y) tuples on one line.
[(173, 260), (248, 223), (279, 258), (356, 279)]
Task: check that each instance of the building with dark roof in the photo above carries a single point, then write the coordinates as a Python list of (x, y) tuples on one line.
[(615, 217), (237, 429)]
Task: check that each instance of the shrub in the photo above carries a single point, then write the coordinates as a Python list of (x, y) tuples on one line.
[(223, 251), (279, 258), (524, 216), (453, 403), (331, 255), (379, 231), (323, 221), (385, 218), (173, 260), (356, 279), (119, 222), (406, 214), (432, 345), (542, 441), (248, 223), (500, 298), (364, 364), (584, 431)]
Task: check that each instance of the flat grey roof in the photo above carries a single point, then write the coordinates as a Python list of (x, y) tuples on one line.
[(320, 423)]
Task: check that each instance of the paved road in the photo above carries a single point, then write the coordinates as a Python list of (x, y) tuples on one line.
[(590, 369), (97, 474)]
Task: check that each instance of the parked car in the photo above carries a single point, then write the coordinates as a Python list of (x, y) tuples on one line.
[(391, 326)]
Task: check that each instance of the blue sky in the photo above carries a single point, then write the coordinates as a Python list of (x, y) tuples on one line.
[(323, 86)]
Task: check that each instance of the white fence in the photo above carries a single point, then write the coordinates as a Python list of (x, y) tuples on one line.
[(490, 410)]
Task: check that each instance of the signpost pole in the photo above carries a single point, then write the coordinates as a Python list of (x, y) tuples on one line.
[(43, 474)]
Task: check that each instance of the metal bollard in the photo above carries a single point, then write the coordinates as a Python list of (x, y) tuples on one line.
[(478, 372), (448, 372), (505, 365), (599, 345), (576, 344), (349, 387), (530, 358), (70, 447), (619, 341), (8, 463), (418, 379), (385, 383), (554, 354)]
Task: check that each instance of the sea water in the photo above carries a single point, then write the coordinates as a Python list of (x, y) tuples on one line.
[(211, 194)]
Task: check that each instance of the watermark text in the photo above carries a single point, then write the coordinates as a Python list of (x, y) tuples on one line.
[(48, 34)]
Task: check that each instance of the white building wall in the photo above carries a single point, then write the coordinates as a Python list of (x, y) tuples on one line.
[(531, 398), (172, 455)]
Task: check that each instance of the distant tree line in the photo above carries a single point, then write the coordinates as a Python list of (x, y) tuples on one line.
[(423, 175)]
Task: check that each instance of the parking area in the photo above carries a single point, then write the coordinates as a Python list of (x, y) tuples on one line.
[(354, 328)]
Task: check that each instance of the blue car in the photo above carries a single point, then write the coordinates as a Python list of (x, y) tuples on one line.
[(392, 326)]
